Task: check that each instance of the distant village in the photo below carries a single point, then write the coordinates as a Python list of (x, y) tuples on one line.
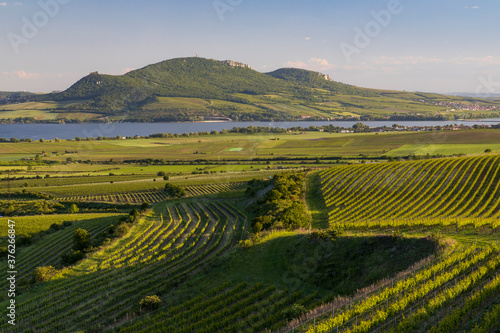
[(454, 106), (13, 99), (360, 127)]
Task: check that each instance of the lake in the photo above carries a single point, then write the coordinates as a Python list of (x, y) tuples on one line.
[(70, 131)]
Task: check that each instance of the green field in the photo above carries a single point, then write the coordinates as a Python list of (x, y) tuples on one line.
[(247, 147), (387, 244)]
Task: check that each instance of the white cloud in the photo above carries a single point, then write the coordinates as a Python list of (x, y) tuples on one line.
[(488, 60), (308, 38), (296, 64), (21, 74), (126, 70), (315, 64), (475, 7), (3, 3)]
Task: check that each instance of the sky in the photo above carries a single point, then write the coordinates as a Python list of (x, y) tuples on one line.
[(415, 45)]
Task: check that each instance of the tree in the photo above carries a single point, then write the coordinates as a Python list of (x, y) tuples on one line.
[(150, 303), (295, 216), (144, 206), (81, 240), (74, 209), (44, 273), (121, 230), (175, 191)]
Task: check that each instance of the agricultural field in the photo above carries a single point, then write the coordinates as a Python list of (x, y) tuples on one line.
[(248, 147), (382, 244)]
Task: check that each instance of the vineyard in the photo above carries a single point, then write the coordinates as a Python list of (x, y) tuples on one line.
[(48, 250), (27, 226), (459, 293), (159, 195), (163, 249), (195, 254), (242, 308), (456, 190)]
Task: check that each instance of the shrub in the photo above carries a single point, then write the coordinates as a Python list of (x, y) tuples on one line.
[(121, 230), (175, 191), (150, 303), (74, 209), (293, 312), (81, 240), (73, 257), (44, 273), (144, 206)]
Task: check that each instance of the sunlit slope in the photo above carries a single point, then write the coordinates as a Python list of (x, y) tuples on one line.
[(154, 257), (453, 295), (445, 188)]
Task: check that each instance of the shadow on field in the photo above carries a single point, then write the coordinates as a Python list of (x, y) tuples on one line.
[(340, 266)]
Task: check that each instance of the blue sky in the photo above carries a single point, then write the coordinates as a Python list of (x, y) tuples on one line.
[(419, 45)]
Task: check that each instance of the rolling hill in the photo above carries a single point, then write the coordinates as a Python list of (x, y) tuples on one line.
[(195, 89)]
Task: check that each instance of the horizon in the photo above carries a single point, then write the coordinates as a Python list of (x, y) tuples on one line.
[(391, 45)]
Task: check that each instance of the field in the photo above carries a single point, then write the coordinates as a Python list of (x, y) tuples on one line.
[(400, 244), (220, 148)]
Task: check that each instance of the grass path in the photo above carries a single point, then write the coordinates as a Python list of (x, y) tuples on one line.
[(315, 202)]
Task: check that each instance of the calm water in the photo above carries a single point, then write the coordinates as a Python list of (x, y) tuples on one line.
[(70, 131)]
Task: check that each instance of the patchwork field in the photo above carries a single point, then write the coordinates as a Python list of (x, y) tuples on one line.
[(185, 242)]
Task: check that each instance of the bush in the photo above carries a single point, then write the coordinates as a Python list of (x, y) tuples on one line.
[(24, 240), (121, 230), (74, 209), (175, 191), (44, 273), (325, 234), (293, 312), (81, 240), (55, 226), (144, 206), (73, 257), (150, 303)]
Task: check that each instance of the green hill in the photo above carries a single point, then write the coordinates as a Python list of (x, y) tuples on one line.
[(187, 89), (317, 80)]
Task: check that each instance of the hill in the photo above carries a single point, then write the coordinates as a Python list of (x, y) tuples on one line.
[(196, 89)]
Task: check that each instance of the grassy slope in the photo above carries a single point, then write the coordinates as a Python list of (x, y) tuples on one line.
[(291, 259), (315, 202)]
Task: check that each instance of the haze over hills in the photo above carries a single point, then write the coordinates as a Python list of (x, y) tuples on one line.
[(197, 89), (473, 94)]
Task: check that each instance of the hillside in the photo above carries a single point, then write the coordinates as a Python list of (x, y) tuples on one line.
[(454, 192), (194, 89)]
